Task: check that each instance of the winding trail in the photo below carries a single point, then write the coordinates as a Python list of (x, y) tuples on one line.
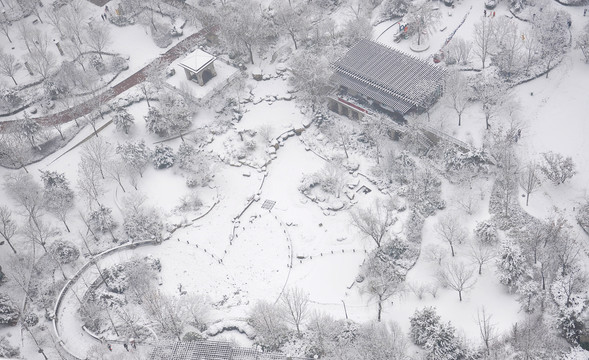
[(84, 108)]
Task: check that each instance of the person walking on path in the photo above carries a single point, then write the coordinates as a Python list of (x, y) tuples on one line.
[(109, 347), (126, 346), (584, 12), (132, 341)]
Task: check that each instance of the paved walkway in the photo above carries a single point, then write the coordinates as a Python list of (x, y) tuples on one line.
[(84, 108)]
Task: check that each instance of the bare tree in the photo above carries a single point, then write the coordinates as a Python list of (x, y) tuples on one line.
[(97, 152), (583, 42), (14, 148), (8, 65), (268, 321), (89, 181), (73, 18), (25, 32), (310, 77), (450, 230), (38, 232), (509, 55), (487, 329), (483, 38), (491, 93), (481, 255), (557, 168), (26, 192), (457, 277), (529, 180), (382, 282), (243, 27), (293, 20), (530, 51), (20, 270), (551, 30), (374, 222), (422, 19), (4, 25), (42, 62), (7, 226), (98, 37), (296, 303), (457, 93), (116, 170), (55, 18)]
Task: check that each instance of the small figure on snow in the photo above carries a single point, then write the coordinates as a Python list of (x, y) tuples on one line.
[(485, 12), (106, 8), (584, 12), (132, 342), (126, 346), (109, 347)]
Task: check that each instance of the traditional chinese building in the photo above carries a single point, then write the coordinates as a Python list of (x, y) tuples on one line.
[(199, 66), (374, 76)]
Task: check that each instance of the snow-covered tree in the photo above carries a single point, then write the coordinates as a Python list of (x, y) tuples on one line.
[(90, 182), (551, 30), (509, 53), (557, 168), (268, 322), (9, 313), (142, 224), (528, 292), (583, 216), (374, 221), (511, 264), (135, 155), (309, 76), (163, 157), (243, 27), (486, 233), (381, 282), (422, 18), (423, 324), (458, 51), (58, 197), (156, 122), (123, 120), (390, 9), (101, 219), (64, 252)]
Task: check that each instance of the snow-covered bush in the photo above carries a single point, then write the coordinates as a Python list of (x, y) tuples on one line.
[(98, 64), (8, 351), (529, 292), (557, 168), (161, 37), (414, 226), (424, 193), (185, 157), (390, 9), (486, 233), (30, 319), (118, 275), (191, 202), (101, 219), (511, 264), (163, 157), (570, 324), (118, 64), (9, 99), (64, 251), (143, 225), (9, 312)]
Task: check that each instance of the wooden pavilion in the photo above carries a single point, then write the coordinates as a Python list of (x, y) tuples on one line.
[(199, 66)]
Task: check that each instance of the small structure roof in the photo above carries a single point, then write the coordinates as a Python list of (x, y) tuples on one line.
[(196, 61), (388, 76)]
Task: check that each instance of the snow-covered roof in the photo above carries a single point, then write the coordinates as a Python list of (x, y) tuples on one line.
[(197, 60), (209, 350), (388, 76)]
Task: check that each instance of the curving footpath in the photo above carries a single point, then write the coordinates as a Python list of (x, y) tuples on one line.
[(187, 45)]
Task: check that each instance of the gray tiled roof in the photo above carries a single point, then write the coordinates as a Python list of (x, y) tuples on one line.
[(209, 350), (387, 75)]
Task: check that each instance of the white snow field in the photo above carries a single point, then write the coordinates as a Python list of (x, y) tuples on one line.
[(234, 251)]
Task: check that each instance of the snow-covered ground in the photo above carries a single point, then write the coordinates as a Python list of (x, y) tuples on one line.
[(297, 243)]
